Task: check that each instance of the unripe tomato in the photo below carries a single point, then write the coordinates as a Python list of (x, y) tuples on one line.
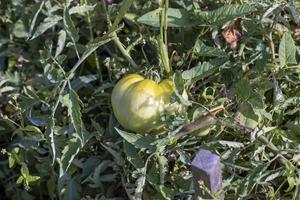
[(137, 102)]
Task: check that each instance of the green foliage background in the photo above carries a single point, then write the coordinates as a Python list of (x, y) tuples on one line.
[(59, 61)]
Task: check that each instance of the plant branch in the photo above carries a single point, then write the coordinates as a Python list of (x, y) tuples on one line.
[(124, 52), (90, 26), (163, 42)]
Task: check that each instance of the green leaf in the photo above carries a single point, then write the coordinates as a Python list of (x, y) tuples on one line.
[(48, 23), (20, 180), (117, 155), (200, 49), (81, 9), (163, 168), (243, 89), (69, 152), (200, 71), (138, 140), (29, 128), (132, 155), (123, 10), (246, 117), (70, 27), (60, 42), (72, 189), (176, 18), (50, 137), (73, 103), (33, 21), (278, 96), (227, 13), (19, 29), (287, 50), (91, 47)]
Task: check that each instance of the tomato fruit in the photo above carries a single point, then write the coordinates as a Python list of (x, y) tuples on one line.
[(137, 102)]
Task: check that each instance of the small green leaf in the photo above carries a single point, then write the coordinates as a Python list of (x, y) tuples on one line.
[(138, 140), (228, 12), (132, 155), (243, 89), (200, 49), (69, 152), (176, 18), (246, 117), (72, 189), (81, 9), (70, 27), (124, 8), (73, 103), (200, 71), (117, 155), (163, 168), (33, 21), (60, 42), (48, 23), (287, 50)]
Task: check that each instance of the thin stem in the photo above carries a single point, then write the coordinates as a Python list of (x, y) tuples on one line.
[(119, 44), (273, 148), (163, 42), (124, 51), (90, 26)]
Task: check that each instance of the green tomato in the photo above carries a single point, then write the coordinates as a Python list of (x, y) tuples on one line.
[(137, 102)]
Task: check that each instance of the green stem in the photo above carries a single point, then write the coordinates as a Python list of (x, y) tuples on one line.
[(124, 51), (90, 26), (163, 42)]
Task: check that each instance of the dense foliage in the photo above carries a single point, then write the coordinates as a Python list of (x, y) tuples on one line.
[(235, 59)]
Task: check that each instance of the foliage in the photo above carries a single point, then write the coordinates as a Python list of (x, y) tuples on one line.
[(59, 61)]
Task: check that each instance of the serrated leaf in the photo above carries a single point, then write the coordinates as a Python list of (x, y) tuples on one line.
[(32, 24), (48, 23), (50, 138), (228, 12), (246, 117), (69, 152), (256, 100), (74, 104), (29, 128), (138, 140), (163, 168), (69, 27), (180, 90), (82, 81), (200, 71), (200, 49), (61, 41), (278, 96), (81, 9), (72, 190), (132, 155), (231, 144), (176, 18), (91, 47), (123, 10), (117, 155), (287, 50), (243, 89)]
